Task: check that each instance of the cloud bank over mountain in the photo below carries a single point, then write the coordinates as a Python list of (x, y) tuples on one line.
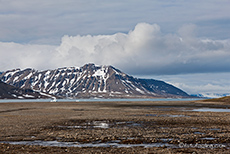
[(144, 50), (199, 83)]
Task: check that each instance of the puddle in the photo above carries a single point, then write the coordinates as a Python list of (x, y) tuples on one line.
[(94, 124), (113, 144), (177, 116), (133, 124), (164, 127), (210, 110), (165, 115), (151, 115), (198, 133), (166, 139), (102, 124), (214, 129), (208, 138)]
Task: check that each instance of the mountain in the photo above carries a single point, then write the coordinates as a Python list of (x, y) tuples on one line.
[(89, 81), (11, 92), (211, 95)]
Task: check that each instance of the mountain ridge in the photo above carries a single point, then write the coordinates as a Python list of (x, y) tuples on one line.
[(10, 92), (89, 81)]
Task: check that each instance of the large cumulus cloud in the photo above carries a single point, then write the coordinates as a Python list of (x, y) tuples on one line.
[(146, 50), (143, 50), (14, 55)]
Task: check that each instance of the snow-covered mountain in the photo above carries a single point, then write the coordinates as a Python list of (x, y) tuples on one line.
[(11, 92), (89, 81), (211, 95)]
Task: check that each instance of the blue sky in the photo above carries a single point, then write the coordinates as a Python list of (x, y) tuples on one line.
[(172, 40), (47, 21)]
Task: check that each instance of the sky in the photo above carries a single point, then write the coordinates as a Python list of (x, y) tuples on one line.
[(183, 42)]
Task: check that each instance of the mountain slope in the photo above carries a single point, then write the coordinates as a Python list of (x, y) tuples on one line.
[(89, 81), (11, 92), (163, 88)]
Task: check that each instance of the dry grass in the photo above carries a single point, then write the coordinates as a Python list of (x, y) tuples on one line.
[(225, 99)]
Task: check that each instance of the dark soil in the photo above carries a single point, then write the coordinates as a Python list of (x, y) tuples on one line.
[(126, 123)]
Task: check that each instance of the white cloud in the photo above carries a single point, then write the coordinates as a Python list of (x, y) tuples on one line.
[(144, 50), (218, 83), (207, 88), (14, 55)]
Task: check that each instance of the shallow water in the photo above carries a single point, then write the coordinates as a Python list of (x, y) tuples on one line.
[(208, 138), (165, 115), (198, 133), (211, 110), (166, 139), (77, 144), (113, 144), (214, 129), (102, 124), (94, 100)]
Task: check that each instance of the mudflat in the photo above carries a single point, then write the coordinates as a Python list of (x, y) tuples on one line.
[(115, 127)]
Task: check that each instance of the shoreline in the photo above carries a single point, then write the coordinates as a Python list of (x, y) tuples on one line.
[(98, 100)]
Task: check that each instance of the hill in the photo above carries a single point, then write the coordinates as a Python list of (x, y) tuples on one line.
[(11, 92), (225, 99)]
